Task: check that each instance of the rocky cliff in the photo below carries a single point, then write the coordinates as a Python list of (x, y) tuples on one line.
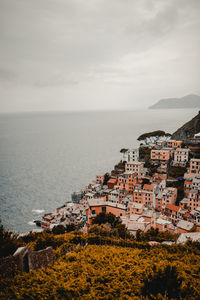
[(188, 129)]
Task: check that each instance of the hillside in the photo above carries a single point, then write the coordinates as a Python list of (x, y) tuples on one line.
[(188, 129), (189, 101), (108, 268)]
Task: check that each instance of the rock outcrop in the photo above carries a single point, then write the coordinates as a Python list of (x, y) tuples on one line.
[(188, 130)]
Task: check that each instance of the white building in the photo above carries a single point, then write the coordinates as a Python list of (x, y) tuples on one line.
[(135, 167), (130, 155), (114, 195), (181, 156)]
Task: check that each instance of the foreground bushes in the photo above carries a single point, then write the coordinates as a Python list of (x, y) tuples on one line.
[(111, 272)]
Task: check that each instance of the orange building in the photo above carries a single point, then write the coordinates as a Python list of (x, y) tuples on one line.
[(160, 157), (144, 195), (127, 181), (174, 143), (95, 207)]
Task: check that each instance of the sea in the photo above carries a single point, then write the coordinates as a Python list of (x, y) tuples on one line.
[(45, 157)]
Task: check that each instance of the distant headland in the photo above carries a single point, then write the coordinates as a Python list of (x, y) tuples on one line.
[(189, 101)]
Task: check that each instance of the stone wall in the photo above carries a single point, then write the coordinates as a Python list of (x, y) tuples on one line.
[(42, 258), (25, 260)]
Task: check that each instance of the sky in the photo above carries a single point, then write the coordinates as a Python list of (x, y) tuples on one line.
[(66, 55)]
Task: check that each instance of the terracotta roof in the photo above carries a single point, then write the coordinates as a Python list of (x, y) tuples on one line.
[(172, 207), (187, 214), (148, 187), (188, 182), (112, 180)]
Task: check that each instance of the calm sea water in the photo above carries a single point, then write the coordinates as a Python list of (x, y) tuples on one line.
[(45, 157)]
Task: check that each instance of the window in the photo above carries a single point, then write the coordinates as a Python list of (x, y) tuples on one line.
[(103, 209), (93, 212)]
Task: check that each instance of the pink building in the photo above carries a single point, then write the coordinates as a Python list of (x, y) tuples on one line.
[(194, 199), (172, 212), (166, 196), (136, 208), (195, 166), (148, 195), (187, 186), (164, 225), (100, 178)]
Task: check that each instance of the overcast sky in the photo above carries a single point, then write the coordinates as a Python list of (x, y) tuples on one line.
[(97, 54)]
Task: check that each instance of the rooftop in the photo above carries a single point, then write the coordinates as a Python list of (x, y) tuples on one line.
[(182, 149), (185, 225), (194, 236), (172, 207), (137, 205)]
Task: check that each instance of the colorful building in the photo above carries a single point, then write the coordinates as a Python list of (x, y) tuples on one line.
[(134, 167), (174, 143), (195, 166), (160, 157), (181, 156)]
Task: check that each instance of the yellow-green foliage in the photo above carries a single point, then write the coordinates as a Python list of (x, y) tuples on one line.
[(109, 272)]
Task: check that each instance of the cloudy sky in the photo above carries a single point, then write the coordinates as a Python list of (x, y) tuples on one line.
[(97, 54)]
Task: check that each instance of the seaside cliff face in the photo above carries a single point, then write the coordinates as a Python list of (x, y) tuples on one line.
[(188, 129)]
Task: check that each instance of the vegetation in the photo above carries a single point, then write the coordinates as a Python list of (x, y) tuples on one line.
[(108, 264), (120, 165), (152, 137), (110, 272), (155, 235), (8, 242), (176, 172), (104, 218), (180, 189), (123, 150), (144, 153), (106, 178)]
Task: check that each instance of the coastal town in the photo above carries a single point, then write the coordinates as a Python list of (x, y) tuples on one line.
[(156, 185)]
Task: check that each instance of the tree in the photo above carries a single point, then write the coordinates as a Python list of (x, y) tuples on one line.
[(8, 242), (59, 229), (123, 150), (106, 178), (104, 218), (153, 137), (165, 282)]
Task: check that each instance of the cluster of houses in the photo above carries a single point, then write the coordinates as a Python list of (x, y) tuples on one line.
[(140, 198)]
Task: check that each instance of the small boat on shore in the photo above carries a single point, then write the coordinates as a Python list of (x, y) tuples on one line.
[(38, 222)]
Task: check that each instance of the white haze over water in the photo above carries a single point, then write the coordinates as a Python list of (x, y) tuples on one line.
[(46, 157)]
